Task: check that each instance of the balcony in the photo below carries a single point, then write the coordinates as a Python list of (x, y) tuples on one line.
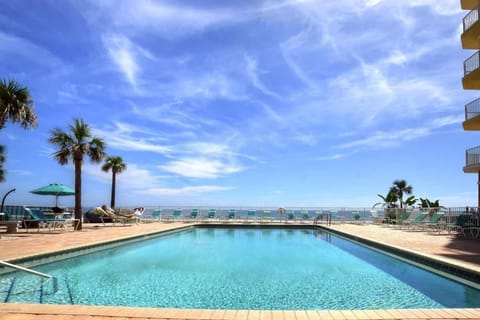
[(471, 30), (468, 4), (472, 115), (472, 160), (471, 72)]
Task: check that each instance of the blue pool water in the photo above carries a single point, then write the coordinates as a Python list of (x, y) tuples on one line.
[(247, 268)]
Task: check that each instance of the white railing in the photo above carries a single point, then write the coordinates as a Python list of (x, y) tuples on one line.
[(471, 64), (470, 19), (37, 273)]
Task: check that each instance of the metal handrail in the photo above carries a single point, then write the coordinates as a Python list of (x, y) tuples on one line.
[(37, 273), (471, 64), (470, 19), (473, 156), (472, 109)]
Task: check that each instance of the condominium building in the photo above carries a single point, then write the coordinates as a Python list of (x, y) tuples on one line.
[(471, 81)]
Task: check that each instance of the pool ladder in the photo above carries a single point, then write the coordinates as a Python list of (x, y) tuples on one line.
[(37, 273)]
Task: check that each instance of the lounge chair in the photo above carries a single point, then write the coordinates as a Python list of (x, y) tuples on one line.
[(433, 222), (336, 217), (289, 216), (406, 217), (305, 216), (319, 215), (267, 216), (231, 214), (114, 218), (177, 214), (47, 222), (357, 218), (251, 215), (400, 220), (460, 224), (194, 214), (211, 214), (419, 220), (154, 217)]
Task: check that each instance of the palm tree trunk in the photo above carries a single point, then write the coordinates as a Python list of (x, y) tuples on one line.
[(78, 193), (112, 199)]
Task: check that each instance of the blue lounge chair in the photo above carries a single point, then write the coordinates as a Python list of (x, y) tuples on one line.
[(177, 214), (305, 215), (460, 224), (433, 222), (290, 216), (155, 216), (251, 215), (44, 221), (211, 214), (419, 219), (231, 214), (194, 214)]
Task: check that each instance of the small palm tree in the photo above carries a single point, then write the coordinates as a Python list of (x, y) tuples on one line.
[(116, 165), (400, 188), (16, 105), (389, 200), (74, 145)]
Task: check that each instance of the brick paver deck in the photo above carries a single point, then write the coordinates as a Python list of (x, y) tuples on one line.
[(461, 252)]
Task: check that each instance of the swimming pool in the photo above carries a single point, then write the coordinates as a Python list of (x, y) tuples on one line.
[(246, 268)]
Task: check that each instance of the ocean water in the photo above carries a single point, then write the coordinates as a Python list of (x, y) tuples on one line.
[(245, 268)]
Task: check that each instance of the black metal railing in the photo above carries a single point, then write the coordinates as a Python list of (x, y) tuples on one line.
[(470, 19), (472, 63)]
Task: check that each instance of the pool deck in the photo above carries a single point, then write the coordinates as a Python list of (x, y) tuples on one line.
[(464, 253)]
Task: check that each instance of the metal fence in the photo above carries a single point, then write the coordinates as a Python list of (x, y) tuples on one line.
[(470, 19), (471, 64), (473, 156), (472, 109)]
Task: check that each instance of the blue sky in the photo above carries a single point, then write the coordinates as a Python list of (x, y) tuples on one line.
[(264, 103)]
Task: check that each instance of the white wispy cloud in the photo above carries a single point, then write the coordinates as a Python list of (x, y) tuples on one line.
[(128, 137), (385, 139), (201, 168), (134, 178), (125, 54), (185, 191), (171, 19), (253, 75)]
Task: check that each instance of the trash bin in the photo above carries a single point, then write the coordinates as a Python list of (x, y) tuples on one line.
[(12, 226)]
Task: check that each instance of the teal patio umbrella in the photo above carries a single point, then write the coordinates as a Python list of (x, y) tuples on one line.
[(55, 189)]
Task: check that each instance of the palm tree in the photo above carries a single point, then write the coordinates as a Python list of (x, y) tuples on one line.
[(16, 105), (74, 145), (400, 188), (389, 200), (116, 165)]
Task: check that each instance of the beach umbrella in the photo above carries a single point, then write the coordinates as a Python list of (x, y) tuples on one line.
[(54, 189)]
